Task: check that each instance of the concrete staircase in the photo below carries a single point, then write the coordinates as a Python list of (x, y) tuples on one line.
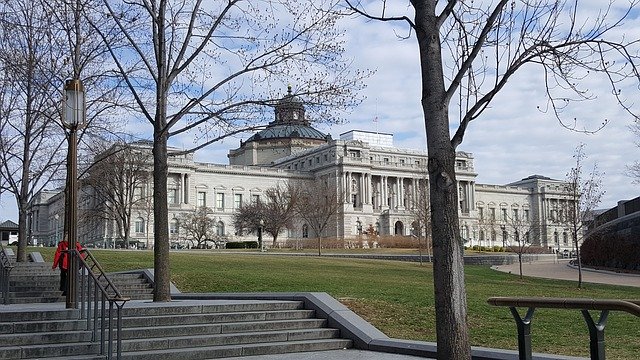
[(177, 330), (36, 282), (37, 326)]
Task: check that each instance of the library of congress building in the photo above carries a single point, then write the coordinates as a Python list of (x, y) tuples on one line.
[(381, 184)]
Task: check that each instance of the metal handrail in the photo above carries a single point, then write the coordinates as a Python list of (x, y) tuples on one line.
[(5, 272), (596, 328), (95, 295)]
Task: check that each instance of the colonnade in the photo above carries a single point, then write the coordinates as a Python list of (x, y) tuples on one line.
[(380, 191)]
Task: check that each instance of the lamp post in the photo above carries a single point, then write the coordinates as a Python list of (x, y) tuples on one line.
[(73, 115), (57, 236), (260, 235)]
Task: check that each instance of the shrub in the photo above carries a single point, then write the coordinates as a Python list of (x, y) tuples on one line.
[(612, 251), (242, 245)]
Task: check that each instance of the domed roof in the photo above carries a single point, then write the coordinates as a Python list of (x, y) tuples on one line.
[(288, 131), (290, 99)]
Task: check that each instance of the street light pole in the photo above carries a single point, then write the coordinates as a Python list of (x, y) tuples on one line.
[(260, 235), (72, 117)]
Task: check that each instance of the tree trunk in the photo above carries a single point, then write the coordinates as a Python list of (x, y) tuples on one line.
[(448, 270), (161, 267), (520, 263)]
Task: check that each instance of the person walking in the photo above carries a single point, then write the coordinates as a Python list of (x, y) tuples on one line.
[(61, 261)]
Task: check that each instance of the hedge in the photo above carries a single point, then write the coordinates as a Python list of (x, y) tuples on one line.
[(611, 251), (242, 245)]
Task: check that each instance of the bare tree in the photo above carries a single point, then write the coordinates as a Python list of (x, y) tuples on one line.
[(207, 70), (30, 140), (276, 212), (318, 205), (247, 218), (468, 52), (118, 181), (43, 43), (421, 211), (634, 169), (525, 234), (585, 193), (199, 226)]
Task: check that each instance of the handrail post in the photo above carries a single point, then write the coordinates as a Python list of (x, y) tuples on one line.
[(524, 332), (596, 334), (5, 273)]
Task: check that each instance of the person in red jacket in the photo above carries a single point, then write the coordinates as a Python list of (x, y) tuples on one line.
[(61, 260)]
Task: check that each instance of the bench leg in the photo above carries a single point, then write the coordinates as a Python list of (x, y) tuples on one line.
[(524, 332), (596, 333)]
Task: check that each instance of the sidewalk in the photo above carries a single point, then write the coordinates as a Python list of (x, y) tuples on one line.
[(347, 354), (561, 270)]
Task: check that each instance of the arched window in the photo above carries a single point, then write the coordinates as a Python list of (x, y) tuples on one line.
[(399, 228), (220, 228), (305, 231), (139, 225), (173, 226)]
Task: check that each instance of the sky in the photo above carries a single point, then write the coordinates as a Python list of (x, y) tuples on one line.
[(511, 140)]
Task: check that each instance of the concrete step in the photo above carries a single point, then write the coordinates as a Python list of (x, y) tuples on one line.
[(196, 341), (233, 306), (216, 352), (215, 318), (37, 351), (46, 326), (57, 337), (39, 315)]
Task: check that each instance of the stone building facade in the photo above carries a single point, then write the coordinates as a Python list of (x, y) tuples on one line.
[(382, 185)]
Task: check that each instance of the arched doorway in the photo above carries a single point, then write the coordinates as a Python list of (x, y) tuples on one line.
[(399, 228)]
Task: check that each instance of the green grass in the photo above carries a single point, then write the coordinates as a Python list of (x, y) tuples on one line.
[(397, 297)]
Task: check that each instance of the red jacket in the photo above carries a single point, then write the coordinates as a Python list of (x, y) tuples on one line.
[(61, 257)]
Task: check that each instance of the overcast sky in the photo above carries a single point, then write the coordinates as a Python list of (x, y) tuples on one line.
[(511, 140)]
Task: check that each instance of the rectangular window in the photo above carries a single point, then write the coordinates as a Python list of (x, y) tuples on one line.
[(504, 215), (255, 199), (139, 224), (493, 213), (173, 226), (202, 199), (515, 214), (481, 213), (237, 201), (137, 193), (172, 196), (526, 215), (220, 200)]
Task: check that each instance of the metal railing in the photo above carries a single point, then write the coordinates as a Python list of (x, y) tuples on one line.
[(5, 272), (95, 290), (596, 327)]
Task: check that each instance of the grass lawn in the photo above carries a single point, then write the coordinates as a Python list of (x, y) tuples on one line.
[(397, 297)]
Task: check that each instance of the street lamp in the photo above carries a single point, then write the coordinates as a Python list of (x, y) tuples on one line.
[(57, 236), (73, 115), (260, 235)]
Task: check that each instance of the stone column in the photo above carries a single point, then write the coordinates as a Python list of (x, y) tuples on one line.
[(185, 183)]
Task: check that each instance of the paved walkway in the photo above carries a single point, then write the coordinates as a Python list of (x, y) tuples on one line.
[(560, 270), (347, 354)]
